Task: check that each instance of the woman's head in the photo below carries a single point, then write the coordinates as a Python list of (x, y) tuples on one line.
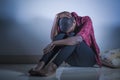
[(67, 24), (64, 14), (71, 14)]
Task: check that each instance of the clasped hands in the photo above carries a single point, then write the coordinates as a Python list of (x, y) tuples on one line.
[(48, 48)]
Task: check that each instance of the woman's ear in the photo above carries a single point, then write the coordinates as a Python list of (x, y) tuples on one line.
[(74, 24)]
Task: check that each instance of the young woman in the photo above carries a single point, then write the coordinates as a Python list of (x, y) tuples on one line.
[(73, 41)]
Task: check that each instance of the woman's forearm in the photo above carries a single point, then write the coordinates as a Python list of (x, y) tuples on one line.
[(68, 41)]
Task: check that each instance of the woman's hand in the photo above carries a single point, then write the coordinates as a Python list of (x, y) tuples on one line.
[(68, 41), (64, 14), (48, 48)]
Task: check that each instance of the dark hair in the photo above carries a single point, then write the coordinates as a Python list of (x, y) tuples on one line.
[(65, 23)]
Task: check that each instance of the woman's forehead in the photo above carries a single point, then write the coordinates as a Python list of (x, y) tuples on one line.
[(66, 19)]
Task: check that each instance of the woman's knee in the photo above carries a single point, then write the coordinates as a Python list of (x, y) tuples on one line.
[(59, 36)]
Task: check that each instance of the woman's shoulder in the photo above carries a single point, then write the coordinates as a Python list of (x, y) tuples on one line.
[(85, 19)]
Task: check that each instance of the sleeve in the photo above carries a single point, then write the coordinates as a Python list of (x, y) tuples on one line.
[(86, 28)]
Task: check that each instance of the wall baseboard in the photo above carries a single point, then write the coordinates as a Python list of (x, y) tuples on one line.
[(19, 59)]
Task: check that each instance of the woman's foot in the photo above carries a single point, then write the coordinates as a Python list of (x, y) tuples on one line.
[(48, 70), (39, 66)]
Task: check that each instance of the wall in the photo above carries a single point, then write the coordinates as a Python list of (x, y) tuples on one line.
[(25, 24)]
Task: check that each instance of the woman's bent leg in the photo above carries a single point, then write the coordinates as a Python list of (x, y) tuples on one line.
[(83, 56)]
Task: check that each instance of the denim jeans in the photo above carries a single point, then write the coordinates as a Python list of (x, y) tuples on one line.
[(80, 55)]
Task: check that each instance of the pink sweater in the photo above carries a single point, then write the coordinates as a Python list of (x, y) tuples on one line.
[(87, 33)]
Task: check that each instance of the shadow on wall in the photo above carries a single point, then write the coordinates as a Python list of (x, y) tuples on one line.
[(25, 25), (32, 37), (109, 37), (24, 39), (115, 37)]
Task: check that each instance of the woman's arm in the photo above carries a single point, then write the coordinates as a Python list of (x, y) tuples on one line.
[(68, 41)]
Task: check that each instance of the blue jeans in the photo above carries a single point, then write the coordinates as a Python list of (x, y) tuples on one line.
[(80, 55)]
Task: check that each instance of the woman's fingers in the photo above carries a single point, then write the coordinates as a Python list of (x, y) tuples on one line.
[(51, 48), (64, 14), (48, 48), (45, 50)]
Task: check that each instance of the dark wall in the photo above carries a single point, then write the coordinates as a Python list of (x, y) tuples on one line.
[(25, 24)]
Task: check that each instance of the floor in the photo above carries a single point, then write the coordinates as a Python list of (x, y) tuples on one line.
[(19, 72)]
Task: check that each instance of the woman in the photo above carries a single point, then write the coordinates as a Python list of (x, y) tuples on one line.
[(73, 43)]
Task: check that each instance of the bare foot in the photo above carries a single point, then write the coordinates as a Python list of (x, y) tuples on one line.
[(38, 67)]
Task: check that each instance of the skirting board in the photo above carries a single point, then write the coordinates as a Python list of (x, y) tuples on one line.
[(19, 59)]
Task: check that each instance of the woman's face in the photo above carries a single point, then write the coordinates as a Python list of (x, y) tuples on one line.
[(68, 14), (67, 24), (71, 29)]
